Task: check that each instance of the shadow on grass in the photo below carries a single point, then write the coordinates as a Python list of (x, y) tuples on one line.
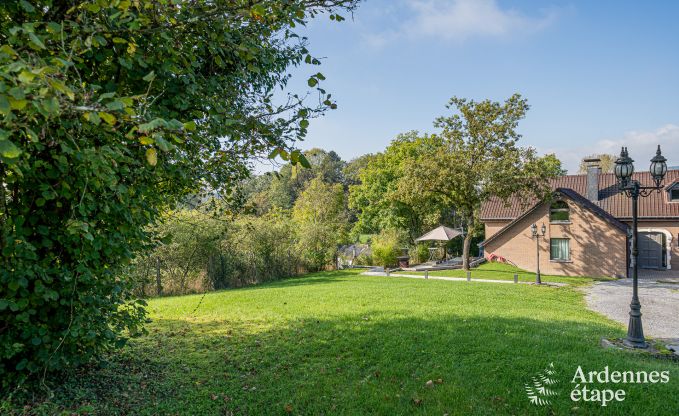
[(365, 363)]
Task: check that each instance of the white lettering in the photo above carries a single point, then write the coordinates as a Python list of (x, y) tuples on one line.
[(576, 393), (654, 377), (580, 374), (665, 377), (620, 395)]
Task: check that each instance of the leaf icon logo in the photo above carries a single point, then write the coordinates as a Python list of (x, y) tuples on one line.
[(539, 391)]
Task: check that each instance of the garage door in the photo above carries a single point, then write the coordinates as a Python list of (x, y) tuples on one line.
[(651, 250)]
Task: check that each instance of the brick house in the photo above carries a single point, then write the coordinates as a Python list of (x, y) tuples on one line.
[(587, 223)]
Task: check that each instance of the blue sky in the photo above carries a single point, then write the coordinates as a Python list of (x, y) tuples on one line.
[(597, 74)]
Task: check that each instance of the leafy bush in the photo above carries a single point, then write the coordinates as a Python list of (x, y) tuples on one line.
[(199, 252), (419, 253), (386, 246), (265, 249), (321, 221), (364, 260)]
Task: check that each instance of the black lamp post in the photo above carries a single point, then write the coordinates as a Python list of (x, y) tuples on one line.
[(624, 168), (536, 236)]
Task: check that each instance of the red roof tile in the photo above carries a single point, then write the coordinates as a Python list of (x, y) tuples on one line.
[(657, 205)]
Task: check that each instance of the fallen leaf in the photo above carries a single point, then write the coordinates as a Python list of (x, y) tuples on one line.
[(288, 408)]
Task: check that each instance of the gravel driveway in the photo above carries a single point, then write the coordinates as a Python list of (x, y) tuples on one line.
[(659, 304)]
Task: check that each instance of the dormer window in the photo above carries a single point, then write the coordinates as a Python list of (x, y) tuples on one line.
[(559, 212), (673, 192)]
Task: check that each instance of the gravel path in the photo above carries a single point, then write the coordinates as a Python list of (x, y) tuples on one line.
[(659, 304)]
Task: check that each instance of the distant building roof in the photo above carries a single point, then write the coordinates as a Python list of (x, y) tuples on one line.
[(610, 199)]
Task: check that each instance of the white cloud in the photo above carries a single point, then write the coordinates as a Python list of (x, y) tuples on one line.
[(641, 145), (459, 20)]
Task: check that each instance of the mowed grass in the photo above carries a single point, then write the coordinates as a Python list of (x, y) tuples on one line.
[(502, 271), (341, 343)]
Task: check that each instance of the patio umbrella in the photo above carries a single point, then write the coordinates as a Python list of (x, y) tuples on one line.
[(440, 233)]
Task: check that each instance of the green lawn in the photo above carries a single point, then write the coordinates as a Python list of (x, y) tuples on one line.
[(341, 343), (501, 271)]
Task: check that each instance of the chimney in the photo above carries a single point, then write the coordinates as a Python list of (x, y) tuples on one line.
[(593, 172)]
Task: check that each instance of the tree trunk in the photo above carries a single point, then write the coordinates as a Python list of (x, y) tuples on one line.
[(466, 249), (159, 286)]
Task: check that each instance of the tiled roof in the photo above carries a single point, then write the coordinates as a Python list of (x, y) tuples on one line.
[(574, 196), (657, 205)]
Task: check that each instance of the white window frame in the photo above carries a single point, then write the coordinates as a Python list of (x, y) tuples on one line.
[(551, 258)]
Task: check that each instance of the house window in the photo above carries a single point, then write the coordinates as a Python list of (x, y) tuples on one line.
[(674, 195), (560, 249), (559, 212)]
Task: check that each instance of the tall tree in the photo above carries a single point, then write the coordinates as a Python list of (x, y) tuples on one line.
[(321, 218), (476, 156), (353, 168), (606, 163), (113, 111), (377, 198)]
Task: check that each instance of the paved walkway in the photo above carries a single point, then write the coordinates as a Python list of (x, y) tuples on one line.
[(456, 279), (659, 304)]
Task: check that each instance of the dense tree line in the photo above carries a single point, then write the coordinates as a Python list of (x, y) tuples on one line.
[(278, 224)]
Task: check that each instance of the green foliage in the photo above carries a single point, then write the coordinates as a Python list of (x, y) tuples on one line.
[(263, 248), (352, 170), (377, 198), (113, 111), (419, 253), (476, 157), (198, 252), (190, 239), (281, 190), (364, 259), (386, 246), (321, 222)]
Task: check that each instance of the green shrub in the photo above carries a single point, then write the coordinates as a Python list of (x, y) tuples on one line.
[(364, 260), (321, 223), (386, 247), (419, 253)]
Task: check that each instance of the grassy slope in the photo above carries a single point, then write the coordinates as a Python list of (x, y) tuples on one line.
[(501, 271), (339, 343)]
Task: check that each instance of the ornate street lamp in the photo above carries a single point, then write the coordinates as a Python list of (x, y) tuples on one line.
[(624, 168), (536, 236)]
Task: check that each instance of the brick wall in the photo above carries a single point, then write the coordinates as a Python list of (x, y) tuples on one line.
[(597, 248), (492, 227)]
